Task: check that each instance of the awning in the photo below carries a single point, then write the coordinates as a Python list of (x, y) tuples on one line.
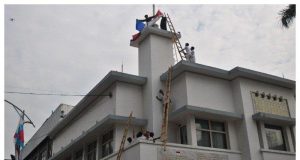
[(203, 112), (273, 119)]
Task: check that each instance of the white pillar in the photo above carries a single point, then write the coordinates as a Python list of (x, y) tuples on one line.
[(263, 136), (98, 148), (191, 130), (288, 139), (155, 49), (84, 152)]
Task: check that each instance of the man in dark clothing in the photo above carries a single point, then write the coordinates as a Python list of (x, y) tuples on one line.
[(163, 23), (147, 19)]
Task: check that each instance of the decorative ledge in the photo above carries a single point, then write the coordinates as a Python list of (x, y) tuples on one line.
[(205, 113), (152, 30), (278, 152), (273, 119)]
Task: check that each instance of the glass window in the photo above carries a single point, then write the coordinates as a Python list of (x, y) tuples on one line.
[(91, 151), (275, 138), (202, 124), (34, 158), (217, 126), (44, 155), (211, 134), (183, 135), (203, 138), (78, 155), (219, 140), (107, 143)]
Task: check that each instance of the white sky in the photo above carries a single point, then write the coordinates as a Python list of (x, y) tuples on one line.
[(70, 48)]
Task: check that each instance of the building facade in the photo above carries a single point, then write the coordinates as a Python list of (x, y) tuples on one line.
[(239, 114)]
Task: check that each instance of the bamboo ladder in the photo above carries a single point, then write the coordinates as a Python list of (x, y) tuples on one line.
[(124, 137), (166, 106), (175, 37)]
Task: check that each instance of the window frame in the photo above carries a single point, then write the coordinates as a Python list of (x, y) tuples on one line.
[(211, 131), (103, 143), (41, 154), (283, 136), (181, 136), (89, 152), (76, 155)]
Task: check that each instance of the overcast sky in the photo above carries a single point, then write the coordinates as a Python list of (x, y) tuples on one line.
[(70, 48)]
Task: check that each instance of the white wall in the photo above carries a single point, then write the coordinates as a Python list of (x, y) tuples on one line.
[(96, 112), (248, 128), (178, 92), (278, 156), (232, 135), (119, 131), (209, 92), (129, 98), (250, 85), (155, 56)]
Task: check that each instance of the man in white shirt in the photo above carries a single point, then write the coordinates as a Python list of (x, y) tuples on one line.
[(187, 51), (192, 55)]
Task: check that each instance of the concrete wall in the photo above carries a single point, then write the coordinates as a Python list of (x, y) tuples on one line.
[(251, 85), (96, 112), (209, 92), (155, 56), (42, 132), (247, 130), (277, 156), (129, 98), (145, 150), (179, 92), (234, 142)]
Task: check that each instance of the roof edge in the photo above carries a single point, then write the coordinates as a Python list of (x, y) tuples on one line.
[(237, 72), (107, 81)]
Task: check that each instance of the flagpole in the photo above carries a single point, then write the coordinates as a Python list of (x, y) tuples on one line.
[(153, 9)]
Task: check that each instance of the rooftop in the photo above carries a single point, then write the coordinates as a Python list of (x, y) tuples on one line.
[(184, 66)]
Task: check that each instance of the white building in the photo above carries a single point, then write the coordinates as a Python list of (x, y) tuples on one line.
[(239, 114)]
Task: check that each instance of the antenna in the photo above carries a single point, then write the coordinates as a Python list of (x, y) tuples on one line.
[(122, 66), (282, 75), (153, 9)]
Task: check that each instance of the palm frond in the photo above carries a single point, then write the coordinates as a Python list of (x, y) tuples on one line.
[(287, 15)]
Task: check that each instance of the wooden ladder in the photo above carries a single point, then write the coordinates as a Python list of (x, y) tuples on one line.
[(166, 106), (124, 137), (175, 37)]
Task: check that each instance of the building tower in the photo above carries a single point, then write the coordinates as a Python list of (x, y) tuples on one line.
[(155, 55)]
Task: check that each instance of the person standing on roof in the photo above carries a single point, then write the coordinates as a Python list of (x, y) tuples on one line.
[(192, 55), (187, 51), (147, 19)]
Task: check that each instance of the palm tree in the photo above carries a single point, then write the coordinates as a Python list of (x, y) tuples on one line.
[(287, 15)]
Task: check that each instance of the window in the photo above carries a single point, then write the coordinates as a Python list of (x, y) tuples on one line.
[(183, 135), (44, 155), (35, 158), (91, 151), (107, 143), (275, 137), (78, 155), (211, 134)]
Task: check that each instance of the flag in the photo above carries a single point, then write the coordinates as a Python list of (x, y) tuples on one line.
[(139, 25), (19, 138), (135, 36), (158, 13)]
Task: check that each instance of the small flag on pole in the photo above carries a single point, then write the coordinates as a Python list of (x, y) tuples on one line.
[(139, 25), (158, 13), (19, 138)]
